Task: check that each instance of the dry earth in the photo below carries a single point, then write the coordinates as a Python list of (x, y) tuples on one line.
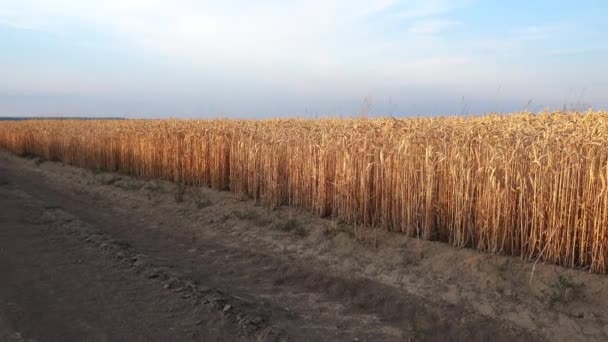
[(93, 256)]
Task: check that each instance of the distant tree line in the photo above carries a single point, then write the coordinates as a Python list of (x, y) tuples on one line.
[(14, 118)]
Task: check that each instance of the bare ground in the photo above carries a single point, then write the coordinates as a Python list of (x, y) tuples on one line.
[(91, 256)]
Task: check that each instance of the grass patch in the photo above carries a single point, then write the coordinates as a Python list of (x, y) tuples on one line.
[(563, 291), (201, 200), (291, 226), (38, 161), (107, 179), (130, 185), (123, 244), (251, 215), (203, 203), (153, 186), (198, 278), (248, 214), (336, 227), (180, 191), (28, 155)]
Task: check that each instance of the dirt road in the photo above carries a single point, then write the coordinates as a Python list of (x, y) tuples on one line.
[(90, 256)]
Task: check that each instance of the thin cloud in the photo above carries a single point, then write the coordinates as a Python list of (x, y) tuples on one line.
[(531, 33), (431, 26), (13, 19), (429, 8), (577, 51), (206, 31)]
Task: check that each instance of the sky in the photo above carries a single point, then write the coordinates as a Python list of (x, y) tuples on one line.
[(252, 59)]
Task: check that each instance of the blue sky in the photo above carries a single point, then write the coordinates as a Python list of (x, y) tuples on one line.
[(186, 58)]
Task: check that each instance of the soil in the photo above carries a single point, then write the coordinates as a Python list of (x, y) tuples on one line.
[(95, 256)]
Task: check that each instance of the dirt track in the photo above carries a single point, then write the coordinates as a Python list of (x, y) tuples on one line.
[(101, 257)]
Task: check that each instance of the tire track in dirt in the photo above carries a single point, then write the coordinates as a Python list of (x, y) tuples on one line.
[(56, 288)]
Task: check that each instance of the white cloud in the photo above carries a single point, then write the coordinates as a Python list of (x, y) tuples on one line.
[(530, 40), (530, 33), (431, 26), (207, 32), (18, 20), (299, 44), (430, 8), (576, 51)]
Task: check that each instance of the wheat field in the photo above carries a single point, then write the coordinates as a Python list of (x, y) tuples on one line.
[(529, 185)]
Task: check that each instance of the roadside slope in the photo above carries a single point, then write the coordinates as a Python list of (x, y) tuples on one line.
[(250, 273)]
